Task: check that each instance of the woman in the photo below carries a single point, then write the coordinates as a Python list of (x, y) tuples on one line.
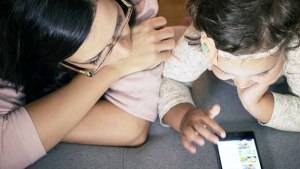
[(42, 101)]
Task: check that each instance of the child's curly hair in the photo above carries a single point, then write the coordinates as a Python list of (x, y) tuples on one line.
[(247, 26)]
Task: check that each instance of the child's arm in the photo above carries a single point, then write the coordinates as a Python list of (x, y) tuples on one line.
[(177, 110), (286, 113), (278, 110), (176, 105), (257, 99)]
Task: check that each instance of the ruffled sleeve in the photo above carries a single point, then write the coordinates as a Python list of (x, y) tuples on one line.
[(286, 113), (186, 65)]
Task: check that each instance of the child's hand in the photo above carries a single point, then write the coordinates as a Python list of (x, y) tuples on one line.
[(251, 95), (193, 127), (251, 99)]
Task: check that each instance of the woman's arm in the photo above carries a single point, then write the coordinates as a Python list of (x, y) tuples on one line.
[(57, 113), (25, 134)]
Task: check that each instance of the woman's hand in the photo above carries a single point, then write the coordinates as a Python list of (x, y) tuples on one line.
[(193, 127), (152, 43)]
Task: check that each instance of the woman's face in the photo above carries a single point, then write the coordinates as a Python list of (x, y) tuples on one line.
[(107, 19), (245, 72)]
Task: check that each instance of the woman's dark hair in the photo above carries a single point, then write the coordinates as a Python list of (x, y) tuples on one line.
[(246, 26), (36, 35)]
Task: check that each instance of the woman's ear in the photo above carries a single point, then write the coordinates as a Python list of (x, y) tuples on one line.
[(209, 48)]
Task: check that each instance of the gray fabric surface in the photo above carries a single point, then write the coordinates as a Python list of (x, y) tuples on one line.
[(163, 149)]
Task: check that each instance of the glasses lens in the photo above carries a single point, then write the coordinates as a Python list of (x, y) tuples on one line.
[(103, 55)]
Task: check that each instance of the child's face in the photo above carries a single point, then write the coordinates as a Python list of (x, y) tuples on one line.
[(245, 72)]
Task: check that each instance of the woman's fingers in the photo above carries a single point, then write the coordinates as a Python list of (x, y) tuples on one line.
[(164, 45), (150, 24), (164, 55), (157, 22), (165, 33), (151, 44)]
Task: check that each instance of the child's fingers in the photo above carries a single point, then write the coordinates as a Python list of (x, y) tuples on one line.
[(204, 132), (213, 125), (214, 111), (193, 136), (187, 144)]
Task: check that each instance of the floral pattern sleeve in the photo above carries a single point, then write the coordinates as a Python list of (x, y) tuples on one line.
[(186, 65), (286, 113)]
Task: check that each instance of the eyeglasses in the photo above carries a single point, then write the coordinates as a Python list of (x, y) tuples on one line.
[(101, 57)]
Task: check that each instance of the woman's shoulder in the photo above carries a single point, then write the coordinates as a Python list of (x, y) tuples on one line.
[(11, 97)]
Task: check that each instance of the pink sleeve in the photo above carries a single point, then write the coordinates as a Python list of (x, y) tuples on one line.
[(20, 144), (145, 9), (138, 93)]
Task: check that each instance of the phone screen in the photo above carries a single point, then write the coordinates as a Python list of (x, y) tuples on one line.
[(238, 151)]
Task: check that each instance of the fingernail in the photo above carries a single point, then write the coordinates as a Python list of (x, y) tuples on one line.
[(223, 135)]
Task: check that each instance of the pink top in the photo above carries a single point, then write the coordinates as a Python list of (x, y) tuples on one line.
[(19, 140), (20, 144), (138, 93)]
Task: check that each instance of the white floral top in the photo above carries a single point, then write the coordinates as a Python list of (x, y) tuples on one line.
[(188, 63)]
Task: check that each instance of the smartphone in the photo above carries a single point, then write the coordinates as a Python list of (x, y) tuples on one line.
[(239, 151)]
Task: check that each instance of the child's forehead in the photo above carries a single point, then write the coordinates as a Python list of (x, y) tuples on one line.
[(261, 54), (251, 66)]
